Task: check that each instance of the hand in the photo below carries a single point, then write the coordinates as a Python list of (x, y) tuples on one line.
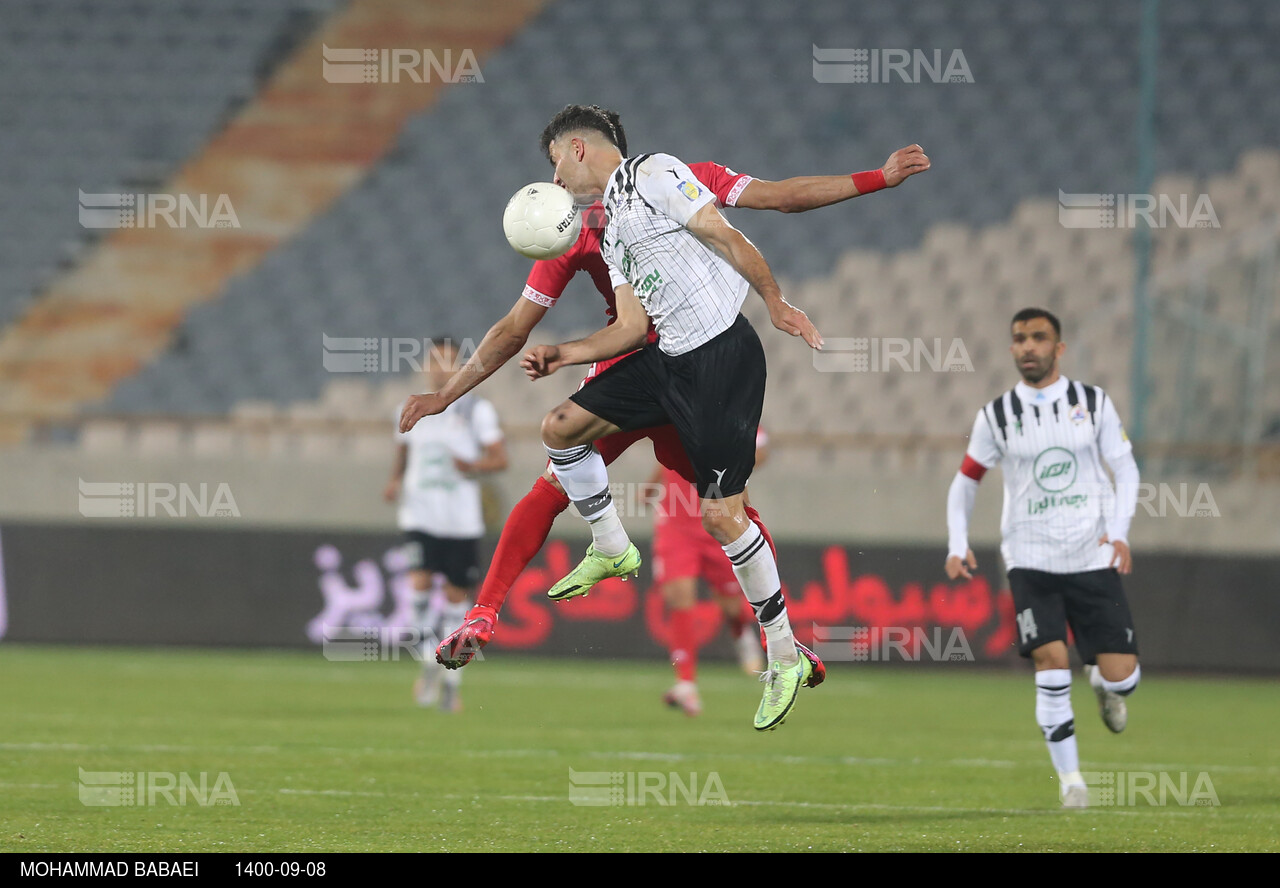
[(391, 492), (1121, 553), (903, 163), (542, 360), (419, 406), (789, 319), (464, 467), (956, 567)]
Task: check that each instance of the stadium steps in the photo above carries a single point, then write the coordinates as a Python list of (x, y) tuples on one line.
[(959, 284), (409, 252), (285, 157)]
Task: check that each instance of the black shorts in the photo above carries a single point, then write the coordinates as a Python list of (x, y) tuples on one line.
[(1092, 603), (457, 559), (713, 395)]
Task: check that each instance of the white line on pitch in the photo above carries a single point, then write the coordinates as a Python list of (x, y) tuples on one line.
[(642, 755)]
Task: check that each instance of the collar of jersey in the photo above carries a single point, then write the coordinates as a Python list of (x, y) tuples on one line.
[(608, 188), (1029, 395)]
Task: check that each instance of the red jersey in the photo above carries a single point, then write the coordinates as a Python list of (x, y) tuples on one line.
[(549, 277)]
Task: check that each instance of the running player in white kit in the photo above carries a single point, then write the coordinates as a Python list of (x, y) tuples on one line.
[(1064, 533)]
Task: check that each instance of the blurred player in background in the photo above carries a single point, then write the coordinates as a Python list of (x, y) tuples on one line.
[(1064, 533), (683, 553), (434, 477), (530, 521)]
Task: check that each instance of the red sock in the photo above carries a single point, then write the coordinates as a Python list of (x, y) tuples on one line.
[(522, 536), (755, 516), (684, 653)]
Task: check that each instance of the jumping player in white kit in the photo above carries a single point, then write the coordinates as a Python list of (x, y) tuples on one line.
[(674, 259)]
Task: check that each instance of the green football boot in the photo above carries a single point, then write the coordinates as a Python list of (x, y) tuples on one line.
[(780, 689), (593, 569)]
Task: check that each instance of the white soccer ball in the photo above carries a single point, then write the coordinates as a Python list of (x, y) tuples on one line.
[(541, 221)]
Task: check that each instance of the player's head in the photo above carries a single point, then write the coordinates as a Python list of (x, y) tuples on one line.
[(441, 362), (584, 143), (1037, 343)]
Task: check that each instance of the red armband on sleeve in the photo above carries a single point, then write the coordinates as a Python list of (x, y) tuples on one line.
[(869, 181), (971, 468)]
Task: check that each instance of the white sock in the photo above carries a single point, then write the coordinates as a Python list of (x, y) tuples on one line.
[(1124, 687), (757, 573), (452, 616), (1057, 721), (582, 473), (608, 536)]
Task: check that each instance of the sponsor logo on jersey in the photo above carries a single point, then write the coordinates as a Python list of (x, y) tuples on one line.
[(689, 190), (1054, 469), (1045, 503)]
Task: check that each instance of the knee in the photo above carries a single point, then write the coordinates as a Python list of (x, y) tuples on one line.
[(1051, 656), (721, 526), (1117, 668), (679, 594), (725, 520), (559, 430), (550, 430)]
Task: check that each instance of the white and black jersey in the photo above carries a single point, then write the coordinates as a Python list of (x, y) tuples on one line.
[(436, 498), (690, 292), (1051, 444)]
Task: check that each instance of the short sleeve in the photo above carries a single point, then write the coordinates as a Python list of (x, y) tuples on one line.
[(616, 277), (484, 422), (983, 448), (670, 187), (548, 278), (724, 183), (1113, 442)]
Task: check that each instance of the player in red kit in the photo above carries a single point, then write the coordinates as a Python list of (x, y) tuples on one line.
[(683, 553), (530, 520)]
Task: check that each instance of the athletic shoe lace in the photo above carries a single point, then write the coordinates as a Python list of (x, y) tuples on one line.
[(770, 677)]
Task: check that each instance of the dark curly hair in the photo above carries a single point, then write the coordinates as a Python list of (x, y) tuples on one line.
[(576, 118)]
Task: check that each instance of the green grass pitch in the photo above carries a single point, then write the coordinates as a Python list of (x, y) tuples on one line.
[(335, 757)]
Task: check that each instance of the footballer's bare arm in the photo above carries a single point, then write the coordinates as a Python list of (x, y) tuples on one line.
[(802, 193), (710, 227), (499, 345), (625, 334)]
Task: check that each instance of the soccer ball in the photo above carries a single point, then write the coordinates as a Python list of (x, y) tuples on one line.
[(541, 221)]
